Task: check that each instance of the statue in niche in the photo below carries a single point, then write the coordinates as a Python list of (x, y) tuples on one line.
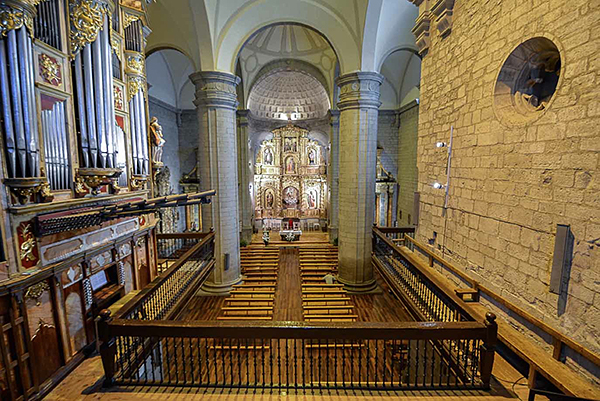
[(268, 156), (290, 197), (290, 165), (158, 141), (311, 157), (312, 199), (289, 145), (269, 200), (541, 81)]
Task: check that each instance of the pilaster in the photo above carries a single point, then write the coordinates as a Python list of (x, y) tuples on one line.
[(359, 105), (334, 174), (245, 176), (216, 101)]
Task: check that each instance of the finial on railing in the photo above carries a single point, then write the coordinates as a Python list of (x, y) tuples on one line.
[(105, 314), (490, 318)]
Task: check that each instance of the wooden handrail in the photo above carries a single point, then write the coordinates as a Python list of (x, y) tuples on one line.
[(574, 345), (300, 330), (187, 235), (397, 230), (157, 282)]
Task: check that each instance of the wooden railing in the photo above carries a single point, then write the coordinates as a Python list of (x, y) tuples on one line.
[(406, 355), (173, 245), (140, 346), (473, 290), (427, 299), (163, 297)]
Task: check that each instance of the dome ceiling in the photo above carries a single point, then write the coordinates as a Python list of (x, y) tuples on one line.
[(284, 94)]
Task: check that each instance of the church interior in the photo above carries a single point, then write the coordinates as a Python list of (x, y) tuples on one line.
[(307, 199)]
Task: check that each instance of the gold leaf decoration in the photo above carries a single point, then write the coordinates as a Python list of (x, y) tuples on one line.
[(36, 291), (134, 85), (135, 64), (87, 17), (11, 18), (128, 19), (50, 69)]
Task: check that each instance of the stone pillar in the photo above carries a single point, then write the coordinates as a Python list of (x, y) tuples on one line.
[(334, 173), (246, 178), (359, 107), (216, 101)]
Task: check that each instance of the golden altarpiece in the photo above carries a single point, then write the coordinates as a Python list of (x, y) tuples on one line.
[(290, 181)]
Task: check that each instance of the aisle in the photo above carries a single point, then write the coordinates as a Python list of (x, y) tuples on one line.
[(288, 295)]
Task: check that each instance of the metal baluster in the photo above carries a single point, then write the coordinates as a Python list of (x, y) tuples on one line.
[(223, 359), (166, 348), (183, 362), (295, 364), (368, 359), (417, 361), (352, 363), (360, 363), (255, 357), (344, 362), (263, 361), (327, 361), (287, 364), (335, 361), (231, 361), (384, 363), (303, 365), (279, 361), (310, 355)]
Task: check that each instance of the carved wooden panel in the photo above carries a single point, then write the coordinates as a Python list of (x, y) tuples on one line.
[(46, 350), (75, 318)]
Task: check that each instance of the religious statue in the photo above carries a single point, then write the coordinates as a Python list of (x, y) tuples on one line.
[(290, 165), (290, 197), (269, 200), (312, 200), (311, 156), (268, 156), (157, 141)]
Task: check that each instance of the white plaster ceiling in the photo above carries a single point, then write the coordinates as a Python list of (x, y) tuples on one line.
[(212, 32), (286, 41), (168, 76), (288, 94), (402, 73)]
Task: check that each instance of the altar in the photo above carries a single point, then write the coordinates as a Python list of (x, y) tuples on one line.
[(290, 235)]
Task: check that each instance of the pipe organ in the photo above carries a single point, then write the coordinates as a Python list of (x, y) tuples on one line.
[(73, 136)]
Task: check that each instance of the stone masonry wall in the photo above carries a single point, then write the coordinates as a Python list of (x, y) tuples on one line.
[(510, 186), (407, 163)]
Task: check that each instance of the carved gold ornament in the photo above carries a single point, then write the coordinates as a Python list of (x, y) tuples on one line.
[(135, 64), (118, 95), (87, 17), (134, 85), (128, 19), (115, 44), (36, 291), (28, 244), (50, 70), (80, 186)]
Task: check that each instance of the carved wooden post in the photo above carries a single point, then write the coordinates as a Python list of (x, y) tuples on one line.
[(488, 349), (108, 349)]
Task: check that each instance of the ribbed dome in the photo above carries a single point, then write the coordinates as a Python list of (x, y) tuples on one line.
[(284, 93)]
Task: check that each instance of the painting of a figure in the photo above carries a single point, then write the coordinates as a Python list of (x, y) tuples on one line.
[(269, 200), (268, 156), (290, 197), (311, 157), (312, 199), (290, 165)]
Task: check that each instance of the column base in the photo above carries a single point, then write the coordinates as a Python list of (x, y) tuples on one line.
[(333, 233), (220, 289), (246, 235), (367, 287)]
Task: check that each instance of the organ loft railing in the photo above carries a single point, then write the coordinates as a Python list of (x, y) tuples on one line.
[(447, 349)]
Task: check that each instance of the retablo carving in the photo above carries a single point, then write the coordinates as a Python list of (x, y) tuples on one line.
[(87, 17)]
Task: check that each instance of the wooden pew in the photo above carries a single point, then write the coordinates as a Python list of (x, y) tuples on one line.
[(249, 301), (322, 293), (310, 301), (247, 310), (328, 309), (239, 293), (245, 318)]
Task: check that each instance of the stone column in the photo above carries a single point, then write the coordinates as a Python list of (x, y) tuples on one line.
[(216, 101), (334, 173), (245, 176), (359, 107)]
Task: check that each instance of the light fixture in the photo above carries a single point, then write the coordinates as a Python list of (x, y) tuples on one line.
[(440, 144), (437, 185)]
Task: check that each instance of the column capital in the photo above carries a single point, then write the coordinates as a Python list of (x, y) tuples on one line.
[(359, 90), (17, 13), (215, 89), (242, 116)]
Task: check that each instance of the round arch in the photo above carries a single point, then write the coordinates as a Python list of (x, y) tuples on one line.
[(250, 19)]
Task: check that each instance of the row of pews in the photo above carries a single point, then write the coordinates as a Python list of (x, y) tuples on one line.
[(323, 302), (253, 299)]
